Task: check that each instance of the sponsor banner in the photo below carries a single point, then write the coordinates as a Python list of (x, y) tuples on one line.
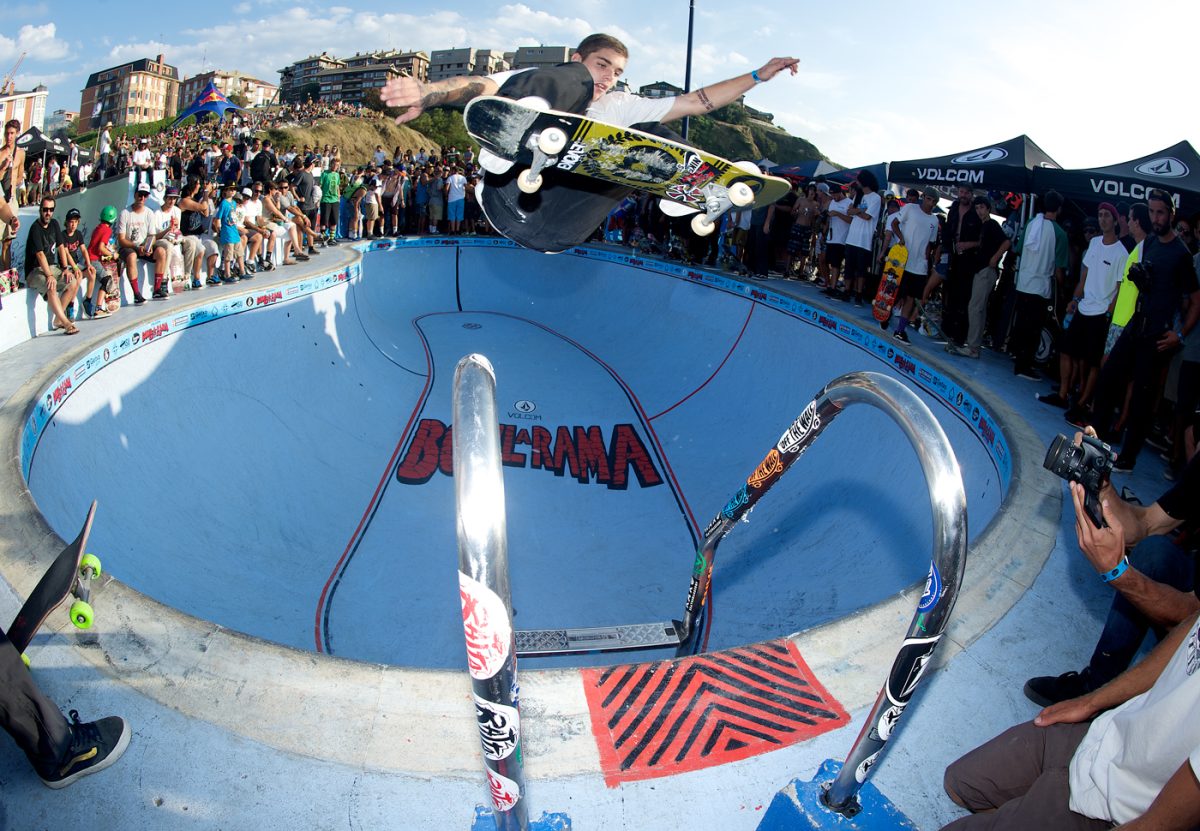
[(147, 332)]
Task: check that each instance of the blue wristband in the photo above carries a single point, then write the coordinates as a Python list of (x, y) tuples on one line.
[(1109, 576), (754, 75)]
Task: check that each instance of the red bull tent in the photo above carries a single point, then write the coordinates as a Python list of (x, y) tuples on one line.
[(1175, 169), (1007, 166), (210, 100)]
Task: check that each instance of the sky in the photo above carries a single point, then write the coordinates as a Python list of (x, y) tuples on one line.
[(1091, 83)]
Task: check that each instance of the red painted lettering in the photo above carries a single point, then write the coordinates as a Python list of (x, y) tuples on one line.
[(421, 460)]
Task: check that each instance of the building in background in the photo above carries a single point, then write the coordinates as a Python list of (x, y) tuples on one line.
[(660, 89), (132, 93), (447, 63), (60, 120), (298, 82), (255, 92), (350, 84), (29, 108), (413, 64), (540, 57)]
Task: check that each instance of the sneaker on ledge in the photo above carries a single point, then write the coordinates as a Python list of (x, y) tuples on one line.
[(1051, 689), (95, 745)]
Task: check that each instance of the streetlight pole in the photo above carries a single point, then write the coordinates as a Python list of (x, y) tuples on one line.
[(687, 78)]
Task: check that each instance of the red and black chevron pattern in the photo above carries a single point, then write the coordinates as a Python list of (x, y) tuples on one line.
[(668, 717)]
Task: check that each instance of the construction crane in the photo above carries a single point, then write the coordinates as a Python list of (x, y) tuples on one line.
[(6, 87)]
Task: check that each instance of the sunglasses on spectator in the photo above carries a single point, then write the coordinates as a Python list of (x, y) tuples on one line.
[(49, 210)]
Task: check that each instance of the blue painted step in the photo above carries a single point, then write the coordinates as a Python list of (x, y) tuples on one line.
[(485, 821), (798, 807)]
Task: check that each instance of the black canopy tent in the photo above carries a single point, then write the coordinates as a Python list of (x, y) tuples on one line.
[(36, 143), (1007, 166), (1175, 169)]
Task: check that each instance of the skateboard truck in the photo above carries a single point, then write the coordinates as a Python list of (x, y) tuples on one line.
[(546, 146), (81, 612), (718, 200)]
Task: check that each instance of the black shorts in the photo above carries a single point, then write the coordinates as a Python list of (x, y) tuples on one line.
[(799, 240), (1084, 338), (835, 254), (858, 262), (912, 285)]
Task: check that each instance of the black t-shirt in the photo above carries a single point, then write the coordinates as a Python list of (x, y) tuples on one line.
[(262, 165), (77, 247), (1172, 276), (990, 239), (45, 240)]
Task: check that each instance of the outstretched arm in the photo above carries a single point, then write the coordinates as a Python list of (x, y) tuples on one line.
[(707, 99), (418, 96)]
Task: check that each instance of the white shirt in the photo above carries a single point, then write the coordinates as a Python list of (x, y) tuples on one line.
[(135, 226), (1129, 753), (837, 228), (458, 187), (862, 231), (141, 158), (919, 230), (105, 142), (252, 210), (164, 219), (1105, 266)]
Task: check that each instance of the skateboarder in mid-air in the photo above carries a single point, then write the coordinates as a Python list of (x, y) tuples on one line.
[(565, 214)]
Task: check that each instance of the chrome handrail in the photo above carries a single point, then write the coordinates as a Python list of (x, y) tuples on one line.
[(484, 587), (948, 500)]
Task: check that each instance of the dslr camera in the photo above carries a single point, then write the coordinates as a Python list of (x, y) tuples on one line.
[(1089, 463), (1140, 274)]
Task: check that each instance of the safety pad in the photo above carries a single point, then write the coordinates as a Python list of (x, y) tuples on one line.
[(669, 717)]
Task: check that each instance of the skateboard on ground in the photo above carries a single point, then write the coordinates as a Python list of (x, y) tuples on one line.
[(71, 573), (546, 139), (889, 285)]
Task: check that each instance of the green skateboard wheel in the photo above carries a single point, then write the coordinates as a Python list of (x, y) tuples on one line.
[(25, 658), (90, 561), (81, 614)]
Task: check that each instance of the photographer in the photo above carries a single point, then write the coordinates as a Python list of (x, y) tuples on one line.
[(1153, 582), (1156, 330)]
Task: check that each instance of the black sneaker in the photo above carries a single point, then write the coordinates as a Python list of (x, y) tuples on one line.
[(94, 746), (1050, 689), (138, 300), (87, 307), (883, 324), (1054, 400), (312, 252), (159, 294), (901, 336), (332, 241)]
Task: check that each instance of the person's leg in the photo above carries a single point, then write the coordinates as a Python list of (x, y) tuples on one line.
[(33, 720), (1148, 368), (981, 289)]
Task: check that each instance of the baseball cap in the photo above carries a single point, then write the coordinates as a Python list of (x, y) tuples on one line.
[(247, 192), (931, 193), (1108, 206), (822, 187), (172, 191), (143, 187), (73, 214)]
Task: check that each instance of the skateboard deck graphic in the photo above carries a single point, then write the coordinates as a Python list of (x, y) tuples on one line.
[(889, 285), (64, 577), (618, 155)]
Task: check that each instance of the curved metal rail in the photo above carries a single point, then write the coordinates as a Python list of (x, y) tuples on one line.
[(484, 587), (948, 501)]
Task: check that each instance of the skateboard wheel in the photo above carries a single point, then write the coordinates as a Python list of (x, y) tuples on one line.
[(82, 614), (749, 167), (551, 141), (702, 226), (741, 194), (89, 561), (529, 184), (534, 102), (25, 659)]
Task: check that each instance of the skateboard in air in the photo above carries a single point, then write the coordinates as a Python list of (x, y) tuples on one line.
[(71, 573), (545, 139), (889, 285)]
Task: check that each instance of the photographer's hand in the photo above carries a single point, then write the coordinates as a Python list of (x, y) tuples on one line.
[(1169, 342), (1104, 547)]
